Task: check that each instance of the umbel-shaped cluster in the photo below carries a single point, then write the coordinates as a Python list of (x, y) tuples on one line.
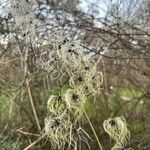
[(65, 117)]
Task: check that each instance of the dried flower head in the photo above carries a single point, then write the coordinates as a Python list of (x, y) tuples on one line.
[(88, 82), (47, 60), (94, 82), (20, 8), (57, 129), (78, 79), (71, 55), (77, 138), (75, 99), (63, 124), (62, 54), (25, 19), (117, 129), (58, 38), (56, 104)]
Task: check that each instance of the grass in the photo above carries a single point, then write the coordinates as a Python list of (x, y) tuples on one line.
[(127, 92), (95, 112), (7, 142), (4, 107)]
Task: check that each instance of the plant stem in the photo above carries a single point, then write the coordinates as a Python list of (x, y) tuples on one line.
[(35, 142), (32, 105), (98, 141)]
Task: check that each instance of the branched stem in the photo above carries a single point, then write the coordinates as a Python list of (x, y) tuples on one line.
[(35, 142)]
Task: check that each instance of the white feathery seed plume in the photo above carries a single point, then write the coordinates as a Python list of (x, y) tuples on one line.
[(117, 129)]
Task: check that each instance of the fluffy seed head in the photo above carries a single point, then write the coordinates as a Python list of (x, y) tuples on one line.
[(117, 130)]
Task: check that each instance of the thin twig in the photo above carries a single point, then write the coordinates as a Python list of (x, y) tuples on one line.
[(27, 133), (10, 61), (32, 105), (91, 125), (29, 90), (35, 142)]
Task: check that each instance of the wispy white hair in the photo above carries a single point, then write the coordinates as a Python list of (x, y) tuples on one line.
[(117, 130)]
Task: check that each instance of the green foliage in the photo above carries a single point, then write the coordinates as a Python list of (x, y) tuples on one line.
[(36, 147), (7, 142), (4, 107), (129, 92)]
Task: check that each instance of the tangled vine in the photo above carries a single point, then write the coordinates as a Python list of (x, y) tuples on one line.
[(61, 57), (63, 125)]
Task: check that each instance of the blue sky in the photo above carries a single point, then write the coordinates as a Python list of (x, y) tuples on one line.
[(101, 5)]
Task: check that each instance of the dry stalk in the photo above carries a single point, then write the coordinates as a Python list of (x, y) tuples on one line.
[(35, 142), (32, 105), (93, 130)]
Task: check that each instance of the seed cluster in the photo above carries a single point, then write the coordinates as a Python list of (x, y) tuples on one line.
[(62, 57), (63, 124), (117, 129), (25, 19)]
